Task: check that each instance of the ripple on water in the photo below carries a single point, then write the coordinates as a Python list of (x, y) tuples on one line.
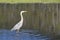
[(22, 35)]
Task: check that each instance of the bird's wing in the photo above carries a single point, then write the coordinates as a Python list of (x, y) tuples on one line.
[(17, 26)]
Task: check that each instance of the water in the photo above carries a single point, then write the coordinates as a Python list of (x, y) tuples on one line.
[(22, 35)]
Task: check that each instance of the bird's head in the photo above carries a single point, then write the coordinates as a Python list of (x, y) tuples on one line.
[(23, 11)]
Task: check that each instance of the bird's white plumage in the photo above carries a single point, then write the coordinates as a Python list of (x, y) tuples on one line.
[(20, 23), (17, 26)]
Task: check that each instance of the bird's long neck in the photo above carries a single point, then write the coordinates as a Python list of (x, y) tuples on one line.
[(21, 17)]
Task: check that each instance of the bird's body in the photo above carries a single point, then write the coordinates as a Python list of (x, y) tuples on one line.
[(19, 24), (17, 27)]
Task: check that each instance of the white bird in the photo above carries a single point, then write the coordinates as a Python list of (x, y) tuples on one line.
[(20, 23)]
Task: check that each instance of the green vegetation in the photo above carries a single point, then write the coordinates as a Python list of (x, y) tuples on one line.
[(29, 1)]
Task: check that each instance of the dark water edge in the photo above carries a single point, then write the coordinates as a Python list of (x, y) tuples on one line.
[(55, 37), (22, 35)]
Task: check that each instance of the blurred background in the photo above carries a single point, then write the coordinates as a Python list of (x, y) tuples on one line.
[(42, 17)]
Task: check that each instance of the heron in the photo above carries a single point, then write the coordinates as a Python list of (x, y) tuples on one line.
[(19, 24)]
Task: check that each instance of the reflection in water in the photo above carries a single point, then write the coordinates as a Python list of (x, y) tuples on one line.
[(22, 35)]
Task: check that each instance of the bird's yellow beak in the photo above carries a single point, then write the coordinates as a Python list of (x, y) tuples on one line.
[(25, 11)]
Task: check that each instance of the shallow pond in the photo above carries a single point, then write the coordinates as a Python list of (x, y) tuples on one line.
[(22, 35)]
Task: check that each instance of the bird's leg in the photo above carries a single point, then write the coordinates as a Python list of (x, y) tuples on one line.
[(17, 31), (17, 34)]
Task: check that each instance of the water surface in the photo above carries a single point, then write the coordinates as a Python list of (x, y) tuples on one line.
[(22, 35)]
